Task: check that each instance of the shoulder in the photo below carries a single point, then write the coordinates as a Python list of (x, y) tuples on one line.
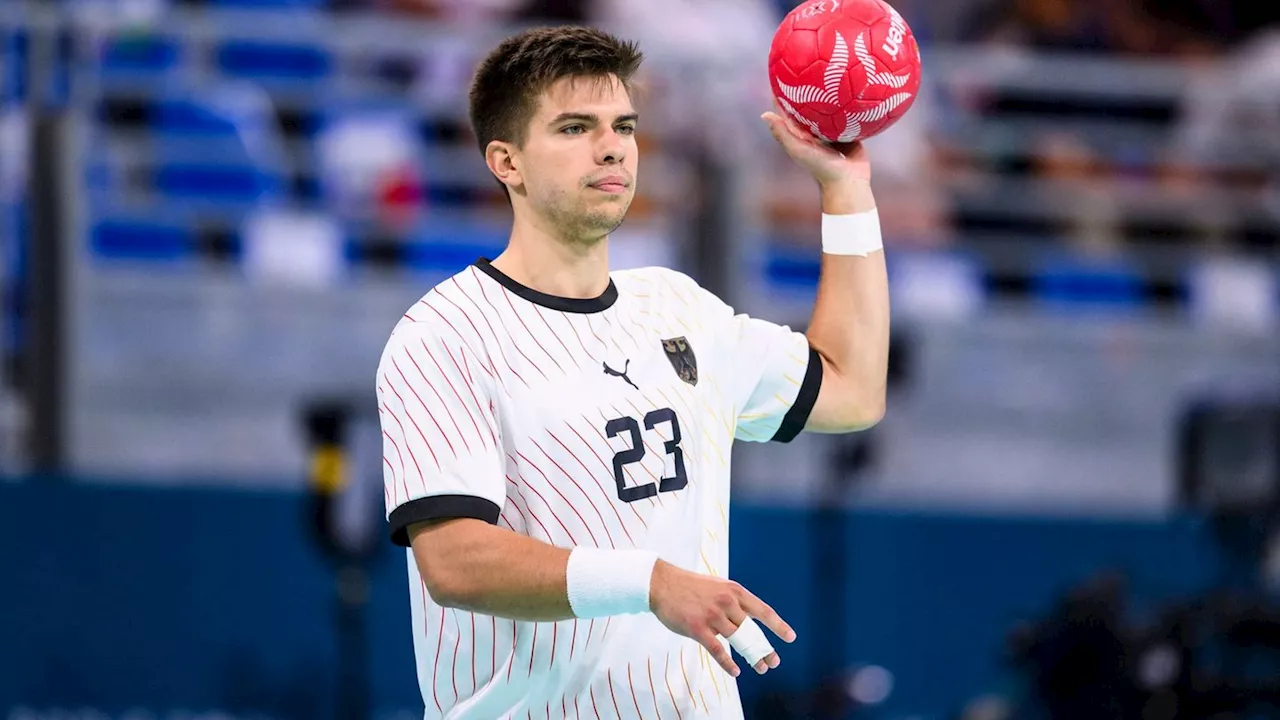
[(448, 315), (665, 281)]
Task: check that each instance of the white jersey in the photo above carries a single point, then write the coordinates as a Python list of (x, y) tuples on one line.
[(603, 422)]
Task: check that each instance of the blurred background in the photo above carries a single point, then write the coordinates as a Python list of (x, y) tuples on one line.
[(212, 213)]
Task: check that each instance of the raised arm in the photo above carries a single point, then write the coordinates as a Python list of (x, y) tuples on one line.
[(849, 328)]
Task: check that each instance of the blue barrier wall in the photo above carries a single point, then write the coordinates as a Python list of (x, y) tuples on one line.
[(117, 598)]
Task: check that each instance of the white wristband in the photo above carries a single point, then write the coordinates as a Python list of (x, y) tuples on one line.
[(609, 582), (857, 234)]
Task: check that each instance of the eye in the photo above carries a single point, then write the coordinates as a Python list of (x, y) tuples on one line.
[(626, 129), (573, 130)]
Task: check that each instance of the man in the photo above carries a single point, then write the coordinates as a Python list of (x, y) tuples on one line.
[(557, 437)]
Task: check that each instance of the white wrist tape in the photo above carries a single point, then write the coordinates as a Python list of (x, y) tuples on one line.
[(609, 582), (750, 642), (857, 234)]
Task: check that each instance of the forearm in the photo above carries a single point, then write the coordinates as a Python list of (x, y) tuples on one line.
[(471, 565), (850, 324)]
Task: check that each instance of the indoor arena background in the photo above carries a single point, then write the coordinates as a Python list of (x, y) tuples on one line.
[(213, 211)]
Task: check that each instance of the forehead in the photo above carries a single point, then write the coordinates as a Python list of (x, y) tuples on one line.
[(602, 95)]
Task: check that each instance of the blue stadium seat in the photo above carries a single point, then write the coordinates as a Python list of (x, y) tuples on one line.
[(126, 239), (218, 146), (12, 66), (191, 116), (1067, 281), (140, 57), (262, 60), (234, 184)]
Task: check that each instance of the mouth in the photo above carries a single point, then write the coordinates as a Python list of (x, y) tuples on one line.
[(613, 185)]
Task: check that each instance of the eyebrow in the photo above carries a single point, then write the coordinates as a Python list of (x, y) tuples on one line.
[(592, 118)]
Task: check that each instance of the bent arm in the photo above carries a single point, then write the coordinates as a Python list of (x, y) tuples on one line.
[(471, 565), (849, 328)]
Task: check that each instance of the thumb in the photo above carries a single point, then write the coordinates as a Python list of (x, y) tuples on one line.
[(775, 125)]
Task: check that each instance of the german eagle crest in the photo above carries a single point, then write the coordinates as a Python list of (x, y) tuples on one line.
[(680, 353)]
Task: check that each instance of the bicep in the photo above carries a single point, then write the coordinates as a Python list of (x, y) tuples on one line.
[(831, 411)]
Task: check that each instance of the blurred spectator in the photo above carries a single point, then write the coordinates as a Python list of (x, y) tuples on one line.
[(1230, 115), (1111, 26)]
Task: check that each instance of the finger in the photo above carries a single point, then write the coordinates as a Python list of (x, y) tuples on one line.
[(768, 662), (774, 123), (724, 627), (750, 642), (719, 653), (761, 611), (784, 129)]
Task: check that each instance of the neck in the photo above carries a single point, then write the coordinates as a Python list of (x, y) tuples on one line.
[(550, 264)]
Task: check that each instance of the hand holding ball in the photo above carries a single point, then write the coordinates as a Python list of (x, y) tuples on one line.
[(844, 69)]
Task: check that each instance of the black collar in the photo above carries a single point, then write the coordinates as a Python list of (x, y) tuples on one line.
[(554, 302)]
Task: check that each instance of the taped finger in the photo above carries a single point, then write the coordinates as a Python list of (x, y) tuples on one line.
[(750, 642)]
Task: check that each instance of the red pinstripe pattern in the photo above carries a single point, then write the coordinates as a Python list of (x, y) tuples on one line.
[(594, 709), (608, 471), (524, 522), (555, 634), (457, 643), (386, 492), (473, 652), (666, 677), (435, 671), (426, 409), (688, 686), (488, 421), (545, 532), (449, 382), (575, 484), (480, 341), (534, 365), (547, 506), (515, 639), (635, 696), (403, 482), (569, 321), (426, 630), (415, 427), (653, 693), (497, 339), (573, 641), (557, 491), (609, 675), (532, 338), (533, 647), (542, 316)]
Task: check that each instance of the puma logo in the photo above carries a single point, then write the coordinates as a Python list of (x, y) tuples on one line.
[(610, 371)]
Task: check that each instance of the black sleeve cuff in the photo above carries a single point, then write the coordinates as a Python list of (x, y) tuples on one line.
[(439, 507), (798, 415)]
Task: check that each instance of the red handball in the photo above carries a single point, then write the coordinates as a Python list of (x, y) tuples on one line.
[(845, 69)]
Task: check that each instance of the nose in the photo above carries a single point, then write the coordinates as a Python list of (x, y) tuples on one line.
[(610, 149)]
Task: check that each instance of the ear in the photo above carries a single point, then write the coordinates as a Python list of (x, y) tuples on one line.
[(504, 162)]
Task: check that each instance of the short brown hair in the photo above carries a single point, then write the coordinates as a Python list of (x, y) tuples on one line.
[(507, 84)]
